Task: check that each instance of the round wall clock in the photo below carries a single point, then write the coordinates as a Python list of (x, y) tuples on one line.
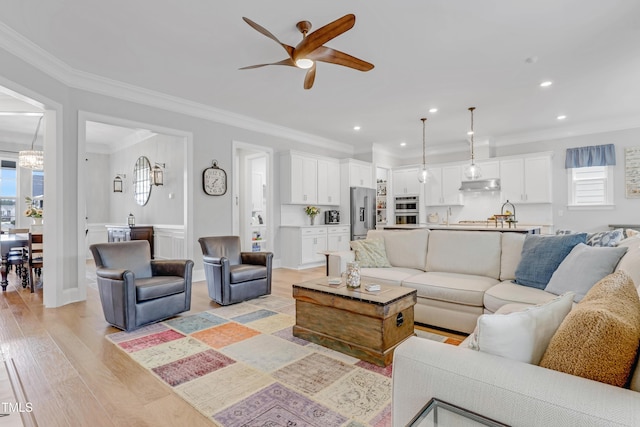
[(214, 180)]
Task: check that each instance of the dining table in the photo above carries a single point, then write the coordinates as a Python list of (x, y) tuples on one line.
[(8, 241)]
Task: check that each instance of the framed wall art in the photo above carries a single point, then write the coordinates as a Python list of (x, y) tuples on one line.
[(632, 172)]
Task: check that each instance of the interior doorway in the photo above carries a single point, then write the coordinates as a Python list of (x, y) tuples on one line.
[(253, 207)]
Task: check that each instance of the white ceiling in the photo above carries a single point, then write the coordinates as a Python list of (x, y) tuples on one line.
[(427, 53)]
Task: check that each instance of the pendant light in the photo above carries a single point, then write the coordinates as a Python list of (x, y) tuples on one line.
[(472, 171), (32, 159), (424, 173)]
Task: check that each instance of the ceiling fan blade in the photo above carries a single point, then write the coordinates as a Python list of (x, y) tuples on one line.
[(266, 32), (322, 35), (326, 54), (310, 77), (287, 61)]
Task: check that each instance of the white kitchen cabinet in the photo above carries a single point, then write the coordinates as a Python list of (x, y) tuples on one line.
[(313, 244), (360, 174), (328, 182), (443, 186), (303, 247), (526, 179), (405, 181), (338, 238), (488, 169), (309, 180)]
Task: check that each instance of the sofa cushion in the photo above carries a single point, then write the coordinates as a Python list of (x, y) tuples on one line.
[(158, 287), (607, 238), (451, 287), (629, 262), (582, 268), (521, 335), (599, 338), (370, 253), (511, 254), (541, 255), (509, 293), (387, 276), (245, 272), (405, 248), (466, 252)]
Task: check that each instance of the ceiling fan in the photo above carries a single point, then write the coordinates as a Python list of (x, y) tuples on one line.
[(311, 49)]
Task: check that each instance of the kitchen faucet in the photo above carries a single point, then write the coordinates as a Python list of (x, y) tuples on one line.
[(448, 213)]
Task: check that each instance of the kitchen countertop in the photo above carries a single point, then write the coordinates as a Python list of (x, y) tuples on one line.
[(531, 229)]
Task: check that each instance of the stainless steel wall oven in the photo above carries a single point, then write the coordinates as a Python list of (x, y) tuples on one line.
[(407, 209)]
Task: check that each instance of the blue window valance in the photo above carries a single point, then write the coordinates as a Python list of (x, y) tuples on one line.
[(595, 155)]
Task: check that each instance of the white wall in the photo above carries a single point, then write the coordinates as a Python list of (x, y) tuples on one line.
[(625, 210), (166, 202)]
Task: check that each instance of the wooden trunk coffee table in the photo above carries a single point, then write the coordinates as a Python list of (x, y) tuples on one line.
[(366, 325)]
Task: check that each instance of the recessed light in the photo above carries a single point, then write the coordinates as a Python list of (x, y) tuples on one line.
[(433, 110), (470, 133), (546, 83), (561, 117), (403, 144), (356, 128)]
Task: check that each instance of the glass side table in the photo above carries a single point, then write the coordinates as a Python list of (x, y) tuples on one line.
[(439, 413)]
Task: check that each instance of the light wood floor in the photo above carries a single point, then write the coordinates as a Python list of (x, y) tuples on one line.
[(73, 376)]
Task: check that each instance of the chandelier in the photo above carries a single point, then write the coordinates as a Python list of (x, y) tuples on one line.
[(472, 171), (32, 159), (424, 173)]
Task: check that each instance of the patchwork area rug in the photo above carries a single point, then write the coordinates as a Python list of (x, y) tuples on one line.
[(240, 365)]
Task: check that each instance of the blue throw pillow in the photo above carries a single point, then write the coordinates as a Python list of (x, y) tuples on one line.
[(541, 256)]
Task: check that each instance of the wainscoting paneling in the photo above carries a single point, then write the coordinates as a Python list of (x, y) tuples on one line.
[(169, 242)]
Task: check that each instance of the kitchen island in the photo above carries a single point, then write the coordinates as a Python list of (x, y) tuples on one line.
[(532, 229)]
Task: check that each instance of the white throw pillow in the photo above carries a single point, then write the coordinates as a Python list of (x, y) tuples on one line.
[(522, 335)]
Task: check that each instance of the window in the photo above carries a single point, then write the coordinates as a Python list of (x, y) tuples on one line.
[(591, 186), (8, 191)]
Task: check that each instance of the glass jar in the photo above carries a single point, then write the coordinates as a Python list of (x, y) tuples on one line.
[(353, 275)]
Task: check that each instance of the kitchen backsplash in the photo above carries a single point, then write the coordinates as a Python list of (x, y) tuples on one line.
[(480, 206)]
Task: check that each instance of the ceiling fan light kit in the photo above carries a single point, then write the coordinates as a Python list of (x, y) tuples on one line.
[(311, 49)]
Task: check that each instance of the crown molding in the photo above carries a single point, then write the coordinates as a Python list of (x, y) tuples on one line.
[(23, 48)]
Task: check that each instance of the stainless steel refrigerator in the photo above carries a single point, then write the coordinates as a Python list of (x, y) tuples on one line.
[(363, 212)]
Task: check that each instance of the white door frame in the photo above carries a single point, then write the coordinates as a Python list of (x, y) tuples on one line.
[(239, 183), (83, 117), (54, 242)]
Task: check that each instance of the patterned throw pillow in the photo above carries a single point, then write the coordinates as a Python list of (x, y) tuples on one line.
[(541, 256), (599, 338), (605, 238), (370, 253)]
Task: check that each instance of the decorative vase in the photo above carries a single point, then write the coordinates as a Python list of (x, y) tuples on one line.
[(36, 225), (353, 275), (312, 219)]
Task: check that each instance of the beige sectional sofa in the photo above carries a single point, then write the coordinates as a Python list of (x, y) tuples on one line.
[(459, 275)]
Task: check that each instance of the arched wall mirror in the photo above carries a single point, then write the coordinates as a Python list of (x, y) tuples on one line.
[(142, 180)]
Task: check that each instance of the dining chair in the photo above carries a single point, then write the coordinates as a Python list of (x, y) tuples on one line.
[(17, 256), (36, 260)]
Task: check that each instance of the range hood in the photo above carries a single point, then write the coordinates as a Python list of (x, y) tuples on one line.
[(489, 184)]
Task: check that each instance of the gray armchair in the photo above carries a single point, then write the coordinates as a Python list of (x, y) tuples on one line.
[(234, 276), (135, 290)]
